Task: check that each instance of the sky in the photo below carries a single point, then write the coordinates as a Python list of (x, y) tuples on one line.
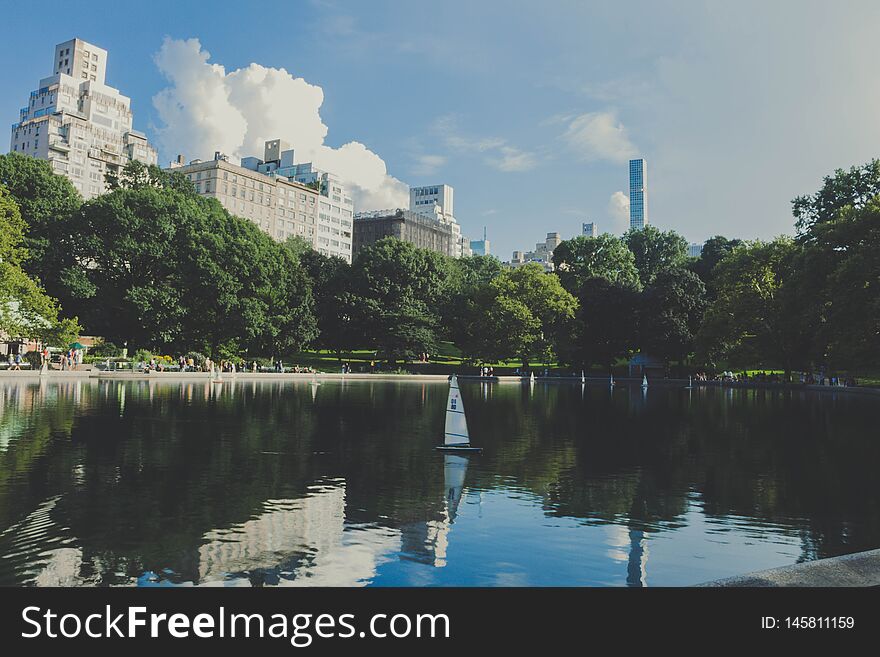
[(529, 110)]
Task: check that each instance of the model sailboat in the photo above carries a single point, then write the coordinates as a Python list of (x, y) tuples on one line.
[(455, 435), (644, 381), (583, 378)]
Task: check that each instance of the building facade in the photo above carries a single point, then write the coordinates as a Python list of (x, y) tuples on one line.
[(438, 202), (590, 229), (79, 124), (695, 250), (543, 253), (481, 247), (638, 194), (267, 192), (417, 229)]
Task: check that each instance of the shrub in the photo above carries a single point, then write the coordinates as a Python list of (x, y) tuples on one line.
[(105, 349)]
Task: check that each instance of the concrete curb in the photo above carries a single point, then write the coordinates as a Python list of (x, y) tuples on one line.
[(855, 570)]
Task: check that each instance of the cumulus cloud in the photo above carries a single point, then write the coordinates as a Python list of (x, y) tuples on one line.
[(618, 210), (206, 109), (599, 136)]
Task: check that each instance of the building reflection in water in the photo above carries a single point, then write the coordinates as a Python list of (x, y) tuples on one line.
[(297, 542)]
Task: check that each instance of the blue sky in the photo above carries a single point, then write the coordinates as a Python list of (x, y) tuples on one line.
[(530, 110)]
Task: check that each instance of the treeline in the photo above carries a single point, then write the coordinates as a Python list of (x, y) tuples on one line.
[(152, 264)]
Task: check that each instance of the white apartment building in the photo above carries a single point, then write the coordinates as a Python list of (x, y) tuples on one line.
[(438, 202), (281, 206), (543, 253), (79, 124)]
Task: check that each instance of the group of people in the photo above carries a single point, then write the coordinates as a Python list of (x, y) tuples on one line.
[(487, 371)]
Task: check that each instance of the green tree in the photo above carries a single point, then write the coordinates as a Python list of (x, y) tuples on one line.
[(605, 328), (163, 268), (397, 288), (655, 251), (761, 312), (47, 202), (26, 311), (582, 258), (714, 250), (521, 312), (337, 309), (670, 314), (855, 188), (841, 266)]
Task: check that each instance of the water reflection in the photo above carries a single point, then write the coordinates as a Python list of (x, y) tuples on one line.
[(277, 483)]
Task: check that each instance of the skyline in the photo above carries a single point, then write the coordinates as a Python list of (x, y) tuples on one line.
[(365, 90)]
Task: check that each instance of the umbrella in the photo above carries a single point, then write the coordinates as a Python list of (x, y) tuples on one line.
[(75, 345)]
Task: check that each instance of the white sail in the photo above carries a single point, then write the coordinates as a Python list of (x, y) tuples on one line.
[(454, 469), (644, 381), (532, 377), (583, 378), (612, 379), (456, 432)]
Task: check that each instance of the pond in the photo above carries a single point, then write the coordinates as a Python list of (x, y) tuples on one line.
[(271, 482)]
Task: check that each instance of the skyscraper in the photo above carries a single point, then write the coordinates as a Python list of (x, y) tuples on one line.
[(78, 123), (638, 194), (591, 229)]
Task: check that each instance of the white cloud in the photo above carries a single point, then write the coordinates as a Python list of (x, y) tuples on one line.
[(499, 154), (599, 136), (512, 159), (618, 210), (207, 109), (427, 165)]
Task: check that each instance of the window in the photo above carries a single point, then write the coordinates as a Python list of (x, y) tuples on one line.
[(94, 56)]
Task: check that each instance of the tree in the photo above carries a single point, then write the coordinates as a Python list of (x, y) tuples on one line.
[(158, 267), (841, 266), (397, 288), (605, 327), (337, 308), (606, 256), (521, 312), (670, 313), (655, 251), (761, 312), (25, 309), (47, 202), (855, 188), (714, 250), (137, 175)]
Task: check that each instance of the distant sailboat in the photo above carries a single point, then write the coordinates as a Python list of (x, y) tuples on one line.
[(455, 436), (216, 375), (611, 380), (690, 384), (583, 378), (644, 381), (532, 378)]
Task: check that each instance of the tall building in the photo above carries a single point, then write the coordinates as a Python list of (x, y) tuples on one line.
[(695, 250), (417, 229), (79, 124), (481, 247), (638, 194), (267, 192), (591, 229), (438, 202)]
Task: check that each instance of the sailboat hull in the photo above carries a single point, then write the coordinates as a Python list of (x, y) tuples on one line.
[(464, 448)]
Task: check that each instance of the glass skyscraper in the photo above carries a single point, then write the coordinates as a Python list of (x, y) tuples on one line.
[(638, 194)]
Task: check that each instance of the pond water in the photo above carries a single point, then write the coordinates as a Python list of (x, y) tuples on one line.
[(272, 482)]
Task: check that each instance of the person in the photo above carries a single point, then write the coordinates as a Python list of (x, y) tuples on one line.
[(17, 365), (44, 356)]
